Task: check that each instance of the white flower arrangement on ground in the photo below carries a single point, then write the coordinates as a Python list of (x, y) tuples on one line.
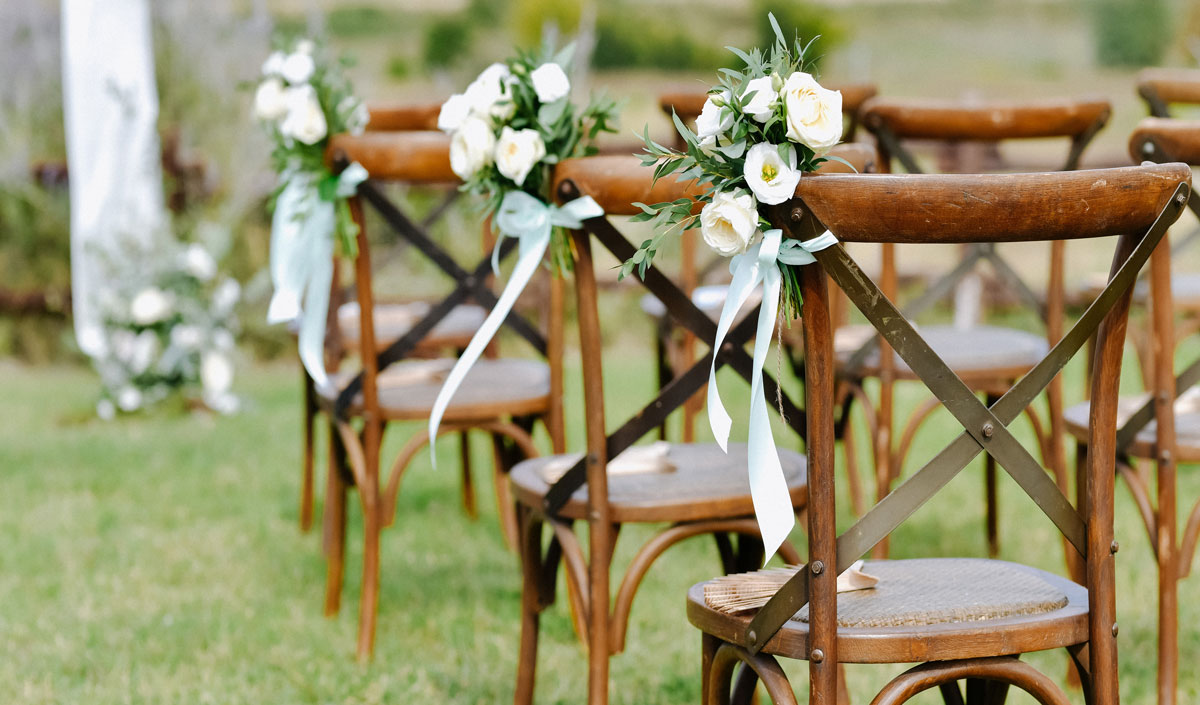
[(169, 327), (302, 99), (761, 128), (514, 122)]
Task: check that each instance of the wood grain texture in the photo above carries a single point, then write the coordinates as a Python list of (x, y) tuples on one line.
[(950, 120), (414, 157)]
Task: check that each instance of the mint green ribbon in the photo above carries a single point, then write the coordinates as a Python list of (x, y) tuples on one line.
[(760, 264), (301, 263), (531, 221)]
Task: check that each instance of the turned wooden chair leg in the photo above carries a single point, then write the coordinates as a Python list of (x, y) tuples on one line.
[(334, 526), (529, 547), (306, 482), (468, 484), (368, 608)]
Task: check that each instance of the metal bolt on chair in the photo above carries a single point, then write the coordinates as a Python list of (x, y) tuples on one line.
[(988, 358), (703, 491), (1163, 425), (503, 397), (958, 619)]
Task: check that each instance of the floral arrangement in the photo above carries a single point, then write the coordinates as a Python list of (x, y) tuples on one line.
[(507, 130), (303, 98), (169, 328), (760, 129), (514, 122)]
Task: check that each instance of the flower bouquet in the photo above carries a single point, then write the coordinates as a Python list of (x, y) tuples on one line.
[(169, 327), (761, 128), (304, 97), (508, 129)]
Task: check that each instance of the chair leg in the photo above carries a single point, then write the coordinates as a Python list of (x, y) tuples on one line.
[(468, 484), (333, 521), (708, 650), (368, 608), (529, 547), (505, 507), (306, 482)]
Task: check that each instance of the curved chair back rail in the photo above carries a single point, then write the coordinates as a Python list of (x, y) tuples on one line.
[(1166, 139), (688, 104), (1162, 87), (402, 117), (958, 120), (413, 157), (1002, 207), (616, 182)]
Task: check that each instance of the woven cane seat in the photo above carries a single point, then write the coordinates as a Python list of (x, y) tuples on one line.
[(393, 320), (987, 352), (493, 388), (926, 609), (704, 483), (1187, 425)]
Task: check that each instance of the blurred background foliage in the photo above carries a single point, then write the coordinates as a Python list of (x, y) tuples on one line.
[(422, 50)]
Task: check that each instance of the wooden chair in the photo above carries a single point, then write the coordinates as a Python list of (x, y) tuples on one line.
[(393, 319), (1162, 88), (503, 397), (960, 619), (1163, 425), (706, 493), (991, 358)]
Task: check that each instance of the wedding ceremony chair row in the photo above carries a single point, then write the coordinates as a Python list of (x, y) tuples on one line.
[(393, 319), (959, 619), (1161, 426), (503, 397), (988, 358)]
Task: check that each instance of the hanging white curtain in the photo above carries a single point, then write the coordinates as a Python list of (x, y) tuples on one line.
[(111, 109)]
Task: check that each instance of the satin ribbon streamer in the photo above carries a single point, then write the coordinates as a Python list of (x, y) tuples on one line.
[(760, 264), (530, 221), (302, 260)]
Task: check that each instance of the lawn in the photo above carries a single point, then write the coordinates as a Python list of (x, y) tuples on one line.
[(158, 560)]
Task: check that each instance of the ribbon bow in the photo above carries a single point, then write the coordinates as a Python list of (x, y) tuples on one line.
[(760, 264), (302, 259), (531, 221)]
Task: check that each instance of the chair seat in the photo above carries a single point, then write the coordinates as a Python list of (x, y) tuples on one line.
[(706, 483), (925, 609), (494, 388), (981, 352), (393, 320), (1187, 425), (709, 299)]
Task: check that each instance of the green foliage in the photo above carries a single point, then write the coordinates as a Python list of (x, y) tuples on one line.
[(34, 259), (1131, 33), (627, 37), (361, 21), (487, 12), (807, 20), (398, 67), (530, 16), (447, 41)]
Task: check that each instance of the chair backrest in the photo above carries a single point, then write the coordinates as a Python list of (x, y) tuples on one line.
[(1161, 88), (402, 117), (1136, 203)]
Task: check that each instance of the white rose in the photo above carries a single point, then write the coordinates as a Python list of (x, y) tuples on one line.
[(471, 147), (772, 179), (273, 66), (222, 339), (145, 350), (187, 337), (226, 296), (105, 409), (216, 373), (456, 109), (517, 152), (813, 113), (199, 263), (270, 102), (714, 118), (729, 223), (129, 399), (762, 104), (149, 306), (305, 46), (489, 93), (297, 68), (550, 82), (305, 121)]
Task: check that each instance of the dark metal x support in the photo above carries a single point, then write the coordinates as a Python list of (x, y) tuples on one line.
[(684, 312), (985, 429), (470, 285)]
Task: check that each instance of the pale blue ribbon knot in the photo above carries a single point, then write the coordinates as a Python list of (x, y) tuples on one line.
[(301, 262), (531, 221), (760, 264)]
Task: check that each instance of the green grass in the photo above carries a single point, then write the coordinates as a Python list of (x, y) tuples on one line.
[(157, 560)]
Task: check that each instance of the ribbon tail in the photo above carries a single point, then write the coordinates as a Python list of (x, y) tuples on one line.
[(527, 264), (288, 259), (768, 487), (745, 276), (316, 309)]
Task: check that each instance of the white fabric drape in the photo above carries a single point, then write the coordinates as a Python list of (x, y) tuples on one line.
[(110, 105)]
